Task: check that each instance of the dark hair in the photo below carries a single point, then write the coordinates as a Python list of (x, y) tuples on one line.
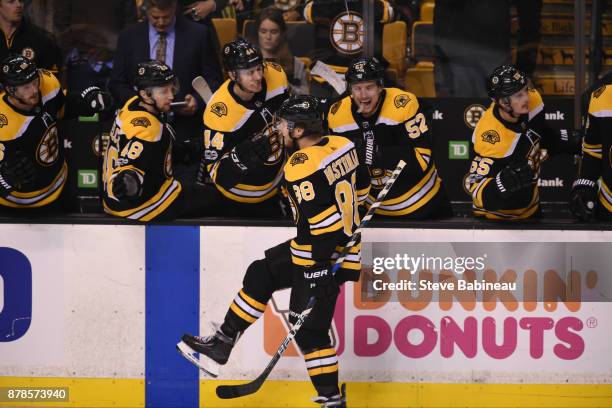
[(160, 4), (285, 58)]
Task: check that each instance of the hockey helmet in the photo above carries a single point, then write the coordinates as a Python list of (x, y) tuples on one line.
[(505, 80), (241, 54), (154, 73), (365, 69), (17, 70), (303, 111)]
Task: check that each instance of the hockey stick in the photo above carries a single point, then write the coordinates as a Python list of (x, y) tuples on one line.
[(240, 390), (201, 87)]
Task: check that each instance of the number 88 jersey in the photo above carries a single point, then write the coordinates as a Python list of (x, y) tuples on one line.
[(140, 143), (326, 184)]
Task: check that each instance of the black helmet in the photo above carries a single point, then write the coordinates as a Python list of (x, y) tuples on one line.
[(17, 70), (365, 69), (153, 73), (241, 54), (304, 111), (505, 80)]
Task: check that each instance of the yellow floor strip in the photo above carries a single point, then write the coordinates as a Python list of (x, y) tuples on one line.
[(84, 392), (394, 395)]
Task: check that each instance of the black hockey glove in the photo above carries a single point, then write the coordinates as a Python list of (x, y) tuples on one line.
[(16, 171), (320, 282), (513, 178), (127, 185), (251, 153), (583, 199), (571, 141), (97, 100)]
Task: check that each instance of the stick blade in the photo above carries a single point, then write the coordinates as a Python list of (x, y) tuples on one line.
[(239, 390)]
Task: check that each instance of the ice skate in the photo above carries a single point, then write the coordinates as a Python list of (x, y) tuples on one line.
[(213, 350), (336, 401)]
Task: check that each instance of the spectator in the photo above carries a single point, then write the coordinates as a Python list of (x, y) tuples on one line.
[(22, 37), (158, 38), (272, 40)]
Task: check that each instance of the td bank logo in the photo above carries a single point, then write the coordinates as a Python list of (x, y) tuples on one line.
[(88, 179), (276, 324), (458, 150)]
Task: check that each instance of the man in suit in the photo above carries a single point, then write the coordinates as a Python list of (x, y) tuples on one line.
[(185, 47)]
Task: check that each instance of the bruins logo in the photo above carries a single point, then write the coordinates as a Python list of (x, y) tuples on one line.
[(141, 122), (472, 115), (3, 120), (28, 53), (219, 109), (346, 33), (490, 136), (298, 158), (597, 93), (401, 100), (274, 66), (48, 149), (335, 107)]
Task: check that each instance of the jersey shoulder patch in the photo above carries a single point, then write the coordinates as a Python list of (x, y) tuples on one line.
[(491, 138), (399, 105), (340, 118), (276, 80), (601, 101), (222, 112), (49, 85), (140, 124), (11, 122)]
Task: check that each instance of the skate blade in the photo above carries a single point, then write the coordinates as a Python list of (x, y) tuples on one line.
[(208, 366)]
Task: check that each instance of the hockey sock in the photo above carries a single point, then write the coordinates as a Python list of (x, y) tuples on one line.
[(322, 365), (243, 312)]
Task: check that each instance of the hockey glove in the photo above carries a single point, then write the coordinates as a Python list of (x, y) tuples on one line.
[(15, 172), (251, 153), (127, 185), (320, 282), (583, 199), (97, 100), (571, 141), (513, 178)]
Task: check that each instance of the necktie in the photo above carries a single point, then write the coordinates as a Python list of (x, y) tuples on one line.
[(160, 52)]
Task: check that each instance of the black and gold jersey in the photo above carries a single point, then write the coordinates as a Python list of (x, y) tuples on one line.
[(597, 147), (35, 134), (142, 143), (496, 144), (325, 184), (340, 29), (228, 121), (400, 131)]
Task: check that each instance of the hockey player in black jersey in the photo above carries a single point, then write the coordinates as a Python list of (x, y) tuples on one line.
[(508, 147), (138, 180), (591, 194), (243, 157), (325, 183), (33, 170), (387, 124)]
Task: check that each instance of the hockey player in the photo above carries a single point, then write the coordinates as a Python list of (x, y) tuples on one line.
[(387, 124), (508, 142), (591, 194), (33, 170), (324, 181), (137, 175), (243, 157)]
